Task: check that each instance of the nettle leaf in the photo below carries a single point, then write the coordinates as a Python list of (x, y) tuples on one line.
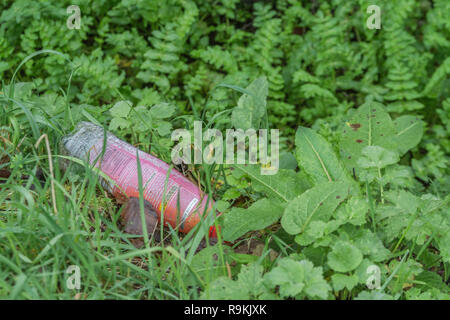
[(298, 278), (121, 109), (409, 132), (259, 215), (344, 257), (370, 125), (162, 110), (284, 185), (377, 157), (316, 156), (316, 204), (251, 106)]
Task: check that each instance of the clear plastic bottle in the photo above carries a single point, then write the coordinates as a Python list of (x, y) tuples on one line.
[(184, 202)]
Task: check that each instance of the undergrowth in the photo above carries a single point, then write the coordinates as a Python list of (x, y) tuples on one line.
[(359, 208)]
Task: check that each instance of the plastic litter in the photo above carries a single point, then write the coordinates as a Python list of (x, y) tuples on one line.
[(184, 203)]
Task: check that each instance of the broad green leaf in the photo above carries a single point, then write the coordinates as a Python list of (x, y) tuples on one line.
[(231, 193), (251, 107), (164, 128), (344, 257), (433, 279), (315, 284), (370, 125), (259, 215), (318, 203), (377, 157), (242, 118), (121, 109), (249, 285), (118, 123), (284, 185), (315, 230), (341, 281), (162, 110), (409, 132), (288, 161), (296, 278), (250, 277), (316, 156), (370, 245), (289, 275), (353, 212)]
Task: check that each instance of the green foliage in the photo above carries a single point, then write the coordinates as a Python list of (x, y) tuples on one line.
[(260, 215), (298, 279), (364, 116), (315, 204)]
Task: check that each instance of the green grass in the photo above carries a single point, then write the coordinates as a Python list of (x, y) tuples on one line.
[(40, 237)]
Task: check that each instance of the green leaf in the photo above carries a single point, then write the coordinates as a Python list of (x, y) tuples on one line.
[(162, 110), (284, 185), (371, 125), (409, 132), (121, 109), (252, 106), (344, 257), (289, 275), (315, 284), (377, 157), (118, 123), (341, 281), (249, 285), (370, 245), (259, 215), (250, 278), (297, 277), (315, 230), (287, 161), (318, 203), (164, 128), (231, 193), (354, 211), (317, 158)]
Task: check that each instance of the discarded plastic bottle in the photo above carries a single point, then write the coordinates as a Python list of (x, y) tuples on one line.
[(184, 203)]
